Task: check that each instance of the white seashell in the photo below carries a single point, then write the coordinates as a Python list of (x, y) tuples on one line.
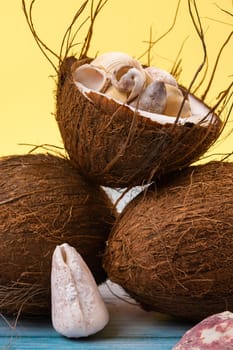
[(152, 99), (129, 80), (92, 77), (161, 75), (78, 309), (116, 94), (174, 100), (112, 61)]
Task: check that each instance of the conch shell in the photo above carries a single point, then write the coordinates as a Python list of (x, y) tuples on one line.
[(78, 309)]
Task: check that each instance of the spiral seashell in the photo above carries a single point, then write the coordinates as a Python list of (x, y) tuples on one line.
[(152, 99), (129, 80), (92, 77), (174, 100), (158, 74), (113, 61)]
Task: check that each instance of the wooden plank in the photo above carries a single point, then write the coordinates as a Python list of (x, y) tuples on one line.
[(129, 327), (22, 343)]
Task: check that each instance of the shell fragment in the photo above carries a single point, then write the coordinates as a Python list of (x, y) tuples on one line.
[(214, 332), (78, 309)]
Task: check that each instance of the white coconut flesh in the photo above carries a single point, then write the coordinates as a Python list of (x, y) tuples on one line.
[(200, 113), (116, 76)]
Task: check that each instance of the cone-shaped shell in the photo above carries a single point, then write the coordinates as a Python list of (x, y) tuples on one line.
[(45, 202), (115, 145), (171, 248), (78, 309)]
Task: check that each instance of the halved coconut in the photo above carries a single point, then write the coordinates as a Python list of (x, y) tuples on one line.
[(118, 145)]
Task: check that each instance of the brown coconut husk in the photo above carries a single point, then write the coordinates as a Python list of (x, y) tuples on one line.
[(172, 247), (114, 147), (108, 144), (43, 203)]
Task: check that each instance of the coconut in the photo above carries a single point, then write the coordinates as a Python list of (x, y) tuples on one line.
[(116, 144), (172, 247), (44, 202)]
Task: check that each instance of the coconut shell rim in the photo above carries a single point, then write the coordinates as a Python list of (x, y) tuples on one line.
[(210, 117)]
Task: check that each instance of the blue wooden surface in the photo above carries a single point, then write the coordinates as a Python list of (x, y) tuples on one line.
[(129, 328)]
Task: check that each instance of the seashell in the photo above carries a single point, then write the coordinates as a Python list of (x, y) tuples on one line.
[(129, 80), (113, 92), (112, 61), (174, 100), (152, 99), (92, 77), (78, 309), (214, 332), (161, 75)]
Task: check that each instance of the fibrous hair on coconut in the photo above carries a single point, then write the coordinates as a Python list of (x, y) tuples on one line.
[(44, 202), (171, 248), (113, 146)]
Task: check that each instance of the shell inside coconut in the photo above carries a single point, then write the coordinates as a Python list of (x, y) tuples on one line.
[(44, 202), (172, 247), (123, 125)]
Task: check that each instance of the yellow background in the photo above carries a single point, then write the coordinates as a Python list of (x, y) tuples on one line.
[(27, 88)]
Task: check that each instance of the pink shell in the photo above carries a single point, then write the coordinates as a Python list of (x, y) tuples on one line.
[(213, 333)]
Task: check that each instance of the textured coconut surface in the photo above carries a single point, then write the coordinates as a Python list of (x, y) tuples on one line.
[(44, 202), (171, 248), (129, 327)]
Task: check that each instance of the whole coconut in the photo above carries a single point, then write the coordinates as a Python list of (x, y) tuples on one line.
[(116, 145), (44, 202), (172, 247)]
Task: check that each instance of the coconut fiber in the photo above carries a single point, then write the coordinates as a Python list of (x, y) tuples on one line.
[(43, 203), (172, 247)]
